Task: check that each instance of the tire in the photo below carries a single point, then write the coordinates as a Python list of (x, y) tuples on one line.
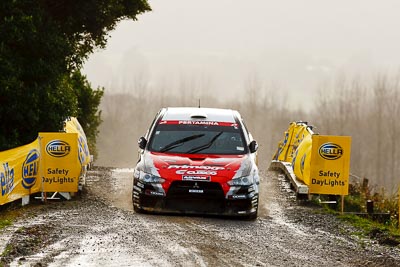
[(138, 210), (135, 207), (252, 216)]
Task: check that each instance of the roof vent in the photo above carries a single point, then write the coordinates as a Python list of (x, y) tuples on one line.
[(198, 115)]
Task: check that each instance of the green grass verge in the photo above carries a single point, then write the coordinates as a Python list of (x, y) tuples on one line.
[(5, 222), (7, 215), (385, 234)]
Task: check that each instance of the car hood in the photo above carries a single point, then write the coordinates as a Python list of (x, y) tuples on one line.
[(189, 167)]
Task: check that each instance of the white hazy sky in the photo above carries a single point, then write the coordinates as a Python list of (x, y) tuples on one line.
[(290, 45)]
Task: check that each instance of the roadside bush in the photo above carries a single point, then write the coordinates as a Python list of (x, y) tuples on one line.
[(43, 45)]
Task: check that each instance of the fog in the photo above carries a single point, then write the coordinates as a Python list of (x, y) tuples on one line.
[(274, 61), (295, 45)]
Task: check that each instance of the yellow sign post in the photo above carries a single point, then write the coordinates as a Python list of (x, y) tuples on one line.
[(59, 165), (330, 165)]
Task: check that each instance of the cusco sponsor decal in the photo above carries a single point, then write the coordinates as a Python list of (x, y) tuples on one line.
[(58, 148), (330, 151), (212, 123), (196, 170)]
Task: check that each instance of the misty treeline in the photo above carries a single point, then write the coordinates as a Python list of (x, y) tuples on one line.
[(367, 112)]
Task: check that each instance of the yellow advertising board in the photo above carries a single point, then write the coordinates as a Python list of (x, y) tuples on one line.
[(59, 165), (72, 125), (299, 131), (330, 165), (295, 134), (302, 160), (283, 146), (19, 172)]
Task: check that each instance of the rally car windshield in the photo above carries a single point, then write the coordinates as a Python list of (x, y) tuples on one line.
[(197, 139)]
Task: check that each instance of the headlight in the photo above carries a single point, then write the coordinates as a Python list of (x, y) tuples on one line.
[(242, 181), (148, 178)]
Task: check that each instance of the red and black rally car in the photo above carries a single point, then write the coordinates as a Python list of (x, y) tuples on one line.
[(197, 160)]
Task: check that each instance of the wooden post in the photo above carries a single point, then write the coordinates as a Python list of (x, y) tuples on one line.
[(342, 203)]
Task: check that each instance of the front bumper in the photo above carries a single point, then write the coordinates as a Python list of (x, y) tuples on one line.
[(188, 197)]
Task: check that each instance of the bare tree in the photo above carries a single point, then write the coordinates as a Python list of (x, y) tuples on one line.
[(393, 130), (380, 89)]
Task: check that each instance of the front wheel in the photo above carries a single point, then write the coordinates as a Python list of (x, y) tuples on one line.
[(252, 216), (138, 210), (136, 207)]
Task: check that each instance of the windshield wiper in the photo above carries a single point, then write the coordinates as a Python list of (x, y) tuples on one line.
[(205, 146), (180, 142)]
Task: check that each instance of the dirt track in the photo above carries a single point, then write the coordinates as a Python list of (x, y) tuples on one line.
[(99, 228)]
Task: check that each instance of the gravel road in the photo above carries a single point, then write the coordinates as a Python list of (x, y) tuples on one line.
[(100, 228)]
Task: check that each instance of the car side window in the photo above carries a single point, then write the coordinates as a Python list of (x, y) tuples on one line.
[(246, 131), (153, 124)]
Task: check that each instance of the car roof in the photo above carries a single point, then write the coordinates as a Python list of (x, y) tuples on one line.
[(204, 114)]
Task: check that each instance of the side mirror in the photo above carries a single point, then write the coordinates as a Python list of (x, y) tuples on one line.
[(253, 146), (142, 142)]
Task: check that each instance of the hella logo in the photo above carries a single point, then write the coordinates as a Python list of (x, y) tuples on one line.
[(58, 148), (30, 169), (330, 151)]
